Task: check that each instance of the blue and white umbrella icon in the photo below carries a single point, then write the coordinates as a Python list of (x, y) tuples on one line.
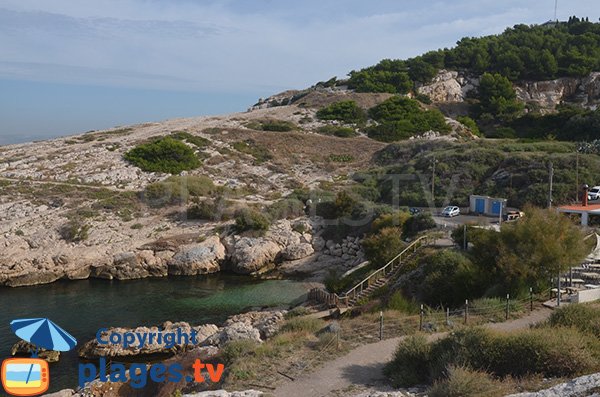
[(43, 333)]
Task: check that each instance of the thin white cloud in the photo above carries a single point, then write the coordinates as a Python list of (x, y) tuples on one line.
[(238, 45)]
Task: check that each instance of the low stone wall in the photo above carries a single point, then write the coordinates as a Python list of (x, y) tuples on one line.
[(587, 295)]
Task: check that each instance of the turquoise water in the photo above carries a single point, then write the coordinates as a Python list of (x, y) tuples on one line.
[(81, 307)]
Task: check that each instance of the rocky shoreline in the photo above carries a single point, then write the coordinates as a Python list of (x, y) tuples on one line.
[(256, 326), (295, 246)]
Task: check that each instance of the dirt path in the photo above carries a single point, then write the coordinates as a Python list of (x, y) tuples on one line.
[(363, 365)]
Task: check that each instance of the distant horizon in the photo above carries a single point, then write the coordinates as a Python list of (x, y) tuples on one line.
[(70, 67)]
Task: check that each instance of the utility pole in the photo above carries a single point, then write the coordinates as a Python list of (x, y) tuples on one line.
[(433, 181), (577, 176), (550, 177), (556, 10)]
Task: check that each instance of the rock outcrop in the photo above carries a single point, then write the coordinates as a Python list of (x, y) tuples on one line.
[(256, 326), (93, 350), (448, 86), (225, 393), (583, 386), (201, 258), (546, 95), (22, 348), (131, 265), (254, 255), (453, 87)]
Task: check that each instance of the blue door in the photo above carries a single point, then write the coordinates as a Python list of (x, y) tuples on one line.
[(480, 205), (496, 207)]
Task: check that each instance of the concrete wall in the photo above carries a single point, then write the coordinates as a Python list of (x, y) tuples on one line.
[(587, 295), (488, 204)]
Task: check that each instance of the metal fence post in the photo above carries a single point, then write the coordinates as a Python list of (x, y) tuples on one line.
[(466, 311), (530, 299), (380, 325), (448, 316), (507, 304), (421, 313)]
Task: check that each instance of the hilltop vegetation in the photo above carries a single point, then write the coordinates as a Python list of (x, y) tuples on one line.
[(532, 53), (522, 52)]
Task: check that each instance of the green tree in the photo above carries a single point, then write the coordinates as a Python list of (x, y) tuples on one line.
[(531, 251), (383, 246), (497, 98), (163, 155), (345, 111)]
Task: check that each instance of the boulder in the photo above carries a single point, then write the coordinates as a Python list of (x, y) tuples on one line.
[(201, 258), (62, 393), (130, 265), (233, 332), (297, 251), (92, 349), (225, 393), (252, 255), (318, 243), (32, 277), (266, 322), (23, 348)]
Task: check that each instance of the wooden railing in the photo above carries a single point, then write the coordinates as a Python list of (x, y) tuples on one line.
[(338, 300)]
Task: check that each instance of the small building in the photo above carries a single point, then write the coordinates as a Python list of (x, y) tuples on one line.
[(583, 209), (485, 205)]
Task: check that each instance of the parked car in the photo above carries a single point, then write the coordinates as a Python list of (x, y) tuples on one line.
[(414, 210), (513, 216), (451, 211), (594, 193)]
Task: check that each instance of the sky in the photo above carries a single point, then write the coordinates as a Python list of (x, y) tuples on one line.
[(69, 66)]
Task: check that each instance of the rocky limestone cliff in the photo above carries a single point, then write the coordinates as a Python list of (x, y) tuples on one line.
[(454, 87)]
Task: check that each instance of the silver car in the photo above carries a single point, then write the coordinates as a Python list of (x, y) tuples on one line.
[(451, 211)]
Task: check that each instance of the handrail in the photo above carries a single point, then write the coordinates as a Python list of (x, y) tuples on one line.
[(389, 264), (335, 299)]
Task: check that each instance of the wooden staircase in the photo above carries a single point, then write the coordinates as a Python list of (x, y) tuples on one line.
[(373, 282)]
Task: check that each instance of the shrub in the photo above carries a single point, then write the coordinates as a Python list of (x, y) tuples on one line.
[(396, 219), (401, 118), (341, 158), (345, 111), (247, 219), (423, 99), (237, 349), (205, 210), (177, 189), (398, 302), (166, 155), (341, 132), (465, 382), (447, 279), (380, 248), (74, 231), (302, 324), (297, 312), (551, 352), (249, 146), (272, 125), (470, 124), (410, 364), (195, 140), (418, 223), (583, 317), (287, 208)]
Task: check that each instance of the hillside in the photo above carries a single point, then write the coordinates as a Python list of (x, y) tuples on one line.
[(537, 81), (267, 188)]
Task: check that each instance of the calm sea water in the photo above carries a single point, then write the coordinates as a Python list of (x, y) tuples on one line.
[(81, 307)]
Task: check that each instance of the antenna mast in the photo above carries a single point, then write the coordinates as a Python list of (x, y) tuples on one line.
[(555, 10)]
